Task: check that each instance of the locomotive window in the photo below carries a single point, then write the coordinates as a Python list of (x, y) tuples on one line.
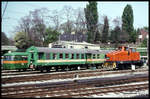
[(133, 50), (119, 48), (126, 48), (67, 56), (60, 56)]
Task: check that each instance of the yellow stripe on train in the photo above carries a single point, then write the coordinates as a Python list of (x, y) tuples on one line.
[(76, 60)]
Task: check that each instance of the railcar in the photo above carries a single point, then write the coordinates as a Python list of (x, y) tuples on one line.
[(44, 58), (15, 61), (123, 58)]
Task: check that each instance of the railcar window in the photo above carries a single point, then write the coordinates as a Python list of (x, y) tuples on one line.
[(94, 56), (72, 56), (67, 56), (24, 57), (97, 56), (32, 55), (54, 56), (8, 58), (82, 56), (60, 56), (40, 55), (47, 56), (20, 57), (78, 56), (89, 56)]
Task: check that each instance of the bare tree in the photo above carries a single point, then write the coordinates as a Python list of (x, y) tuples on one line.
[(68, 16), (56, 18), (33, 26), (80, 24)]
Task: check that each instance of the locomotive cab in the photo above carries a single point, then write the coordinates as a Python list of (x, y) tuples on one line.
[(123, 57)]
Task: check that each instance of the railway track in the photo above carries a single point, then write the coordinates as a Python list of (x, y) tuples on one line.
[(13, 73), (62, 75), (75, 89)]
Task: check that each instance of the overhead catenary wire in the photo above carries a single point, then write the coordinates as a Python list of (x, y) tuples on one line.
[(4, 9)]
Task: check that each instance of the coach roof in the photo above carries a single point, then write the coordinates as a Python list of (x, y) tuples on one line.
[(63, 50)]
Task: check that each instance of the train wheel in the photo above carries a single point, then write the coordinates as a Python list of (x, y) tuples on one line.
[(19, 70), (41, 70), (24, 69), (48, 69)]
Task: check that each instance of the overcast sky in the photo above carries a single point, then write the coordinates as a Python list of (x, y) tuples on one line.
[(16, 10)]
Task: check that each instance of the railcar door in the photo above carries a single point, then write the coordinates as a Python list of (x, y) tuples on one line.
[(31, 59)]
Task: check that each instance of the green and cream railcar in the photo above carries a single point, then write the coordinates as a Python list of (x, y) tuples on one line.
[(44, 58), (15, 61)]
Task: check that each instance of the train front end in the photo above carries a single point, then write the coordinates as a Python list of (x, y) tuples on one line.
[(15, 61)]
